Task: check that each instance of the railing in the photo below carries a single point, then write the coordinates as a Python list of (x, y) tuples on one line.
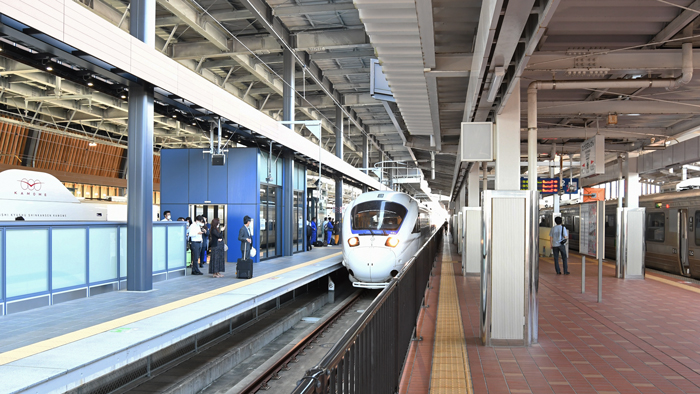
[(45, 263), (370, 356)]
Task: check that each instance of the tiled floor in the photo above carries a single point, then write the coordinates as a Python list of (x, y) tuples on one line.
[(643, 337), (25, 328)]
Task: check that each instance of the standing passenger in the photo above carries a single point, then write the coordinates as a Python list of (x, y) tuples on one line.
[(195, 234), (329, 231), (217, 265), (205, 241), (314, 231), (557, 234), (166, 217), (324, 228), (246, 237)]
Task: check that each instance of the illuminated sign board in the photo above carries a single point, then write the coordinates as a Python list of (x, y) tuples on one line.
[(552, 186)]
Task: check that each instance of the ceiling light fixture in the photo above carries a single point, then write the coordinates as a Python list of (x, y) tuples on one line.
[(90, 83), (92, 143), (124, 96), (498, 75), (49, 68)]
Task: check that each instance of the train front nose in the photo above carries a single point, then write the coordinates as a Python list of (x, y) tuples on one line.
[(372, 264)]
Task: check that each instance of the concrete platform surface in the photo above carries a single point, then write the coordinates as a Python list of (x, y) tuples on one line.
[(642, 338), (57, 348)]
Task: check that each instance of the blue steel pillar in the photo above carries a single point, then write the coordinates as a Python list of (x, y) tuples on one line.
[(288, 219), (139, 241), (289, 224), (339, 152)]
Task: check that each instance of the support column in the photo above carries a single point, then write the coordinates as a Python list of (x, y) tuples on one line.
[(288, 89), (289, 220), (632, 183), (473, 186), (508, 144), (532, 137), (139, 238), (339, 119), (365, 158)]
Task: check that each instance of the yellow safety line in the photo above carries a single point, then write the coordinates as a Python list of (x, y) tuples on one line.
[(650, 276), (450, 370), (36, 348)]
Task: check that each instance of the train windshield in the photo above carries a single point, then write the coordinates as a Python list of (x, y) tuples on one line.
[(377, 217)]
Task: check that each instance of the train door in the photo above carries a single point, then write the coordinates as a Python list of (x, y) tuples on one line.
[(683, 223)]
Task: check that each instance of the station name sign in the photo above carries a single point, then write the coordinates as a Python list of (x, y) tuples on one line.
[(593, 156)]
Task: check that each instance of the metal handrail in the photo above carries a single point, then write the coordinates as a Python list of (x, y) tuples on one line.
[(317, 379)]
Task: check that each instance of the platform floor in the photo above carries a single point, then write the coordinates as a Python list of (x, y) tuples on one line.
[(642, 338), (33, 331)]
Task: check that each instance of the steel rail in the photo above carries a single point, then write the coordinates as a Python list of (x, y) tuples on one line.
[(260, 383)]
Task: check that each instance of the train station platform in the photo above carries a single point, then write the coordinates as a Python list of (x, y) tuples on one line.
[(642, 338), (57, 348)]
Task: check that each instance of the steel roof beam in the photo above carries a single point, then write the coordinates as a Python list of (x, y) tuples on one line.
[(341, 54), (558, 109), (312, 9), (221, 16), (676, 25)]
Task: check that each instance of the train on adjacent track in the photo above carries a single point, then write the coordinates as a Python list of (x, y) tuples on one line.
[(381, 231), (671, 234)]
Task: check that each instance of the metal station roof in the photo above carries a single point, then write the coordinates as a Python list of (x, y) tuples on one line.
[(439, 56)]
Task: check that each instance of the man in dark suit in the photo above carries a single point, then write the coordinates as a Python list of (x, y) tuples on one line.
[(245, 236)]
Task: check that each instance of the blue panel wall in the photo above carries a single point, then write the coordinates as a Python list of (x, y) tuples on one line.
[(174, 175), (243, 197), (243, 185), (198, 170), (217, 184)]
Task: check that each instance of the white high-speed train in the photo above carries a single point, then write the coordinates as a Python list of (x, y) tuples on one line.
[(381, 232)]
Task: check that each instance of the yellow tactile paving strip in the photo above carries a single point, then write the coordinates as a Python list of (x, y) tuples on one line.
[(450, 371), (36, 348)]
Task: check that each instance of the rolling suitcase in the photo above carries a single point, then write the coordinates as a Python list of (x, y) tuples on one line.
[(244, 267)]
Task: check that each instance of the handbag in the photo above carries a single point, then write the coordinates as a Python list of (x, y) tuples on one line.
[(225, 247), (564, 240), (253, 252)]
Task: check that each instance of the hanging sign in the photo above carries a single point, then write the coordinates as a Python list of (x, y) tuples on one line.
[(552, 185), (593, 156)]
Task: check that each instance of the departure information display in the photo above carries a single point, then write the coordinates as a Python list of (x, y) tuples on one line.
[(551, 185)]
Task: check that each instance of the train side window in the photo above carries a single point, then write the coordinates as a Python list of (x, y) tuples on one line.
[(656, 227), (416, 227), (610, 226), (697, 228)]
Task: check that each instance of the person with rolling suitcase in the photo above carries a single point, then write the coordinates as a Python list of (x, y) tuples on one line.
[(244, 266)]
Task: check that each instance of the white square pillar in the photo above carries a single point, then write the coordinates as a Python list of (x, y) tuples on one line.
[(473, 186), (507, 143)]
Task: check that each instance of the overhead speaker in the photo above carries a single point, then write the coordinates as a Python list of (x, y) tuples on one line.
[(218, 159)]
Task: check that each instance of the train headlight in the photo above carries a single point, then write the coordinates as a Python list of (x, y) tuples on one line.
[(354, 241), (392, 242)]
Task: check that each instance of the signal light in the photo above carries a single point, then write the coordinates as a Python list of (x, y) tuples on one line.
[(668, 206), (354, 241), (392, 242)]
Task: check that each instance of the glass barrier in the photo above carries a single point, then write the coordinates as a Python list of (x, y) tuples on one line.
[(40, 258)]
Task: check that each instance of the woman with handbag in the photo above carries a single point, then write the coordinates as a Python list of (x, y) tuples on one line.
[(217, 264)]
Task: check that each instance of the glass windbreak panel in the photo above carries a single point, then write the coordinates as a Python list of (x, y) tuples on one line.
[(68, 257), (697, 228), (656, 227), (122, 251), (299, 222), (263, 222), (176, 247), (103, 254), (272, 221), (27, 262), (377, 217), (159, 248)]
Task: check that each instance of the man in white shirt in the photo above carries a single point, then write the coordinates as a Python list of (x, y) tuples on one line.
[(557, 234), (195, 232), (166, 217)]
